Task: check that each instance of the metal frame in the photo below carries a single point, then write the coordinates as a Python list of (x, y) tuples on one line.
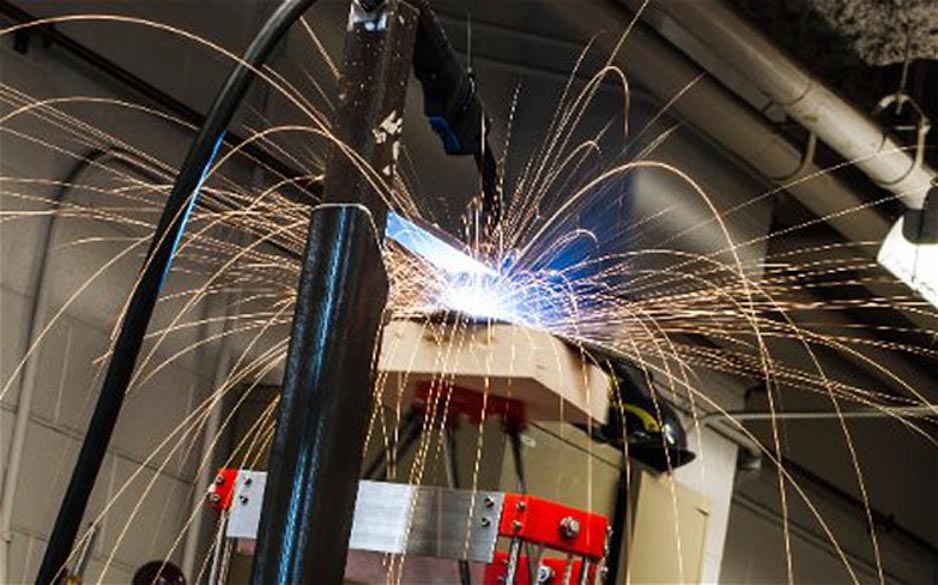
[(442, 523)]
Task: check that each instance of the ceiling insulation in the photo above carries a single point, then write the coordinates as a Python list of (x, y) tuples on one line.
[(884, 32)]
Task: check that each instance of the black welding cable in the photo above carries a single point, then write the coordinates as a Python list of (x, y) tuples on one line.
[(143, 300)]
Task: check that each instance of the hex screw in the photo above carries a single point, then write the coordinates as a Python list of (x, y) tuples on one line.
[(516, 525), (569, 527)]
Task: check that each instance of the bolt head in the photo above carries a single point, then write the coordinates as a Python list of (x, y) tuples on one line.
[(248, 480), (516, 525), (489, 502), (545, 574), (219, 479), (522, 505), (243, 500), (486, 522), (214, 498), (569, 527)]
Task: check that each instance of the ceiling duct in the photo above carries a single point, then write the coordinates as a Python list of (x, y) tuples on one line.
[(804, 97)]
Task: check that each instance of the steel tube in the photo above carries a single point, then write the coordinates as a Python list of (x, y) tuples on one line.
[(886, 412), (316, 457)]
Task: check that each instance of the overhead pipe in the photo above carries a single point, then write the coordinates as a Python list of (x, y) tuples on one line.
[(908, 412), (804, 97), (715, 111)]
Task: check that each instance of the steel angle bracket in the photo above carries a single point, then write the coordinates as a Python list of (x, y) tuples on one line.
[(393, 518)]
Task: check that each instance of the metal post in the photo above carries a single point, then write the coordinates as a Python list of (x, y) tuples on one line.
[(617, 526), (221, 550), (317, 452), (316, 456), (452, 481), (409, 430), (514, 552)]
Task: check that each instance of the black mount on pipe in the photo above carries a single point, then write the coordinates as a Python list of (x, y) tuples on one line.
[(143, 300)]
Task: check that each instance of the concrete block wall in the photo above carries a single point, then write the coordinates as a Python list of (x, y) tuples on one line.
[(147, 490)]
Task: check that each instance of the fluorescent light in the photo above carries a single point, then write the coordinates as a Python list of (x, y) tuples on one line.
[(914, 263)]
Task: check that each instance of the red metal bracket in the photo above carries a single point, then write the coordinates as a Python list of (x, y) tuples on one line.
[(555, 526), (222, 490), (552, 574), (473, 404)]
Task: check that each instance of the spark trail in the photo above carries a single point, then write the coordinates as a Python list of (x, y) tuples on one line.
[(565, 259)]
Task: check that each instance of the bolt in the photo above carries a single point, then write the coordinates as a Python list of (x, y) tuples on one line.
[(545, 574), (486, 522), (521, 505), (489, 502), (516, 525), (248, 480), (219, 479), (569, 527), (243, 500), (214, 498)]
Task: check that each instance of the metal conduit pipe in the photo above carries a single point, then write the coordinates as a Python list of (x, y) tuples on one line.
[(804, 97), (715, 111), (909, 411)]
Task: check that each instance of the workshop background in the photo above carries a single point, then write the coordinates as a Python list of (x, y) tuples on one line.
[(728, 134)]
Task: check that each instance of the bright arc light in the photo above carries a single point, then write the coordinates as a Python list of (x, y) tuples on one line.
[(480, 296), (468, 286), (433, 249)]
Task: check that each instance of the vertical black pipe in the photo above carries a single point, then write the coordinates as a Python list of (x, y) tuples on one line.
[(324, 405), (618, 525), (143, 299), (315, 462)]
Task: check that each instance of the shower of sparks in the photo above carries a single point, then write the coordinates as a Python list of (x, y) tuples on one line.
[(565, 259)]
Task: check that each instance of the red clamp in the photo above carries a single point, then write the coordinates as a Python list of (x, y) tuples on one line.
[(222, 491), (550, 572), (555, 526), (471, 403)]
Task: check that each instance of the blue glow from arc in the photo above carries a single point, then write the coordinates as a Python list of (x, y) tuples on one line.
[(190, 205), (437, 252), (544, 293)]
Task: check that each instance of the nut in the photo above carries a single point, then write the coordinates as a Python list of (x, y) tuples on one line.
[(569, 527)]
